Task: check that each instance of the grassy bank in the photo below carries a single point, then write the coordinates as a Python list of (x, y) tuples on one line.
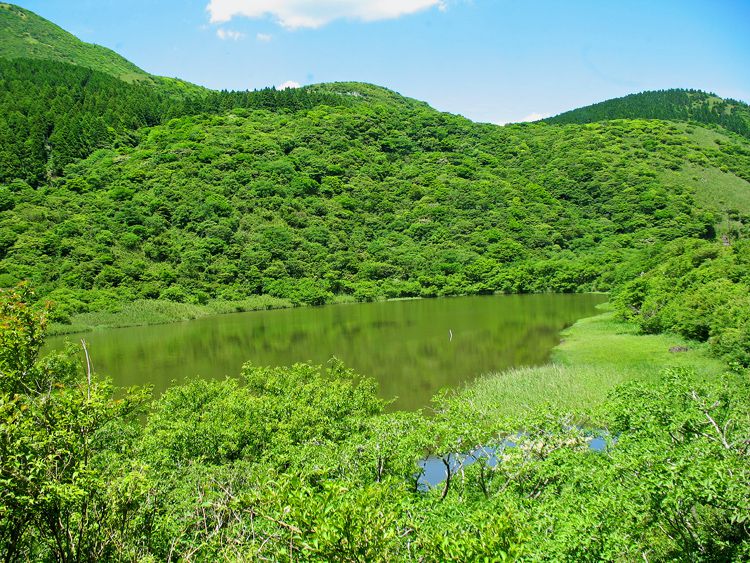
[(595, 355), (150, 312), (155, 311), (144, 312)]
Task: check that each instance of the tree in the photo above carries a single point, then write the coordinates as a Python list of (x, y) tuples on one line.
[(68, 490)]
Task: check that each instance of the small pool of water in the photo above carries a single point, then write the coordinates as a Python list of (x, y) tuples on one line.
[(434, 469)]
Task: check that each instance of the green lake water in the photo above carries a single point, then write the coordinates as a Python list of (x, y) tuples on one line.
[(412, 348)]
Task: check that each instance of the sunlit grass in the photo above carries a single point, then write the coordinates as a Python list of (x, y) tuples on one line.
[(148, 312), (713, 188), (595, 355), (605, 342)]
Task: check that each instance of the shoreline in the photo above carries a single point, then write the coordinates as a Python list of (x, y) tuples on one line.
[(148, 312), (595, 355)]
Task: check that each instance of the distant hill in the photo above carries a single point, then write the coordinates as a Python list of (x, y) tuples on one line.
[(23, 34), (368, 200), (53, 113), (61, 98), (676, 104)]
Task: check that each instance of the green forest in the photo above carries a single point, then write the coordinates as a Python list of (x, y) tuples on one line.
[(676, 104), (123, 193)]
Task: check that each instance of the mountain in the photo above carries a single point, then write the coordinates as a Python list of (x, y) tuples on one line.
[(676, 104), (366, 199), (23, 34), (53, 113), (61, 99), (117, 190)]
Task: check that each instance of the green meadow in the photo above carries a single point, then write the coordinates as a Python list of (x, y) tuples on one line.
[(595, 355)]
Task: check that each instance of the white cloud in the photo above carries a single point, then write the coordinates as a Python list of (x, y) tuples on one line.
[(225, 34), (264, 37), (288, 84), (533, 117), (294, 14)]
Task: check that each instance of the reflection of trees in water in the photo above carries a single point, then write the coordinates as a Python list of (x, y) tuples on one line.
[(405, 345)]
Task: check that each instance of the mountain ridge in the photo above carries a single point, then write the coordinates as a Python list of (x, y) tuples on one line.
[(672, 104), (28, 35)]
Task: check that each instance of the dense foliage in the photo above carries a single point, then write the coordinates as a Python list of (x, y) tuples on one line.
[(676, 104), (369, 199), (698, 289), (301, 463), (61, 98), (54, 114)]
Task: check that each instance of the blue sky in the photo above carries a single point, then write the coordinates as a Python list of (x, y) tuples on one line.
[(490, 60)]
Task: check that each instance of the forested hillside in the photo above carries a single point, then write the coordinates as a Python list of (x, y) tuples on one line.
[(121, 189), (61, 98), (55, 113), (675, 105), (369, 200), (26, 35), (115, 191)]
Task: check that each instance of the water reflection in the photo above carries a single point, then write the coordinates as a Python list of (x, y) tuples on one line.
[(406, 345), (434, 470)]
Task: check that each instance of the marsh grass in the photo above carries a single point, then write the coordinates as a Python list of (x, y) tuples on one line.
[(149, 312), (154, 311), (595, 355)]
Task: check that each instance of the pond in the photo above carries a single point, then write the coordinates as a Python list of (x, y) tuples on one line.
[(412, 348), (434, 470)]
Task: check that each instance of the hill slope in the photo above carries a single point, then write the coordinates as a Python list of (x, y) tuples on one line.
[(679, 105), (366, 200), (23, 34), (53, 113)]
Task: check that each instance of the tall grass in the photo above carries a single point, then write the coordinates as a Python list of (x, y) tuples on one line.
[(595, 355), (147, 312)]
